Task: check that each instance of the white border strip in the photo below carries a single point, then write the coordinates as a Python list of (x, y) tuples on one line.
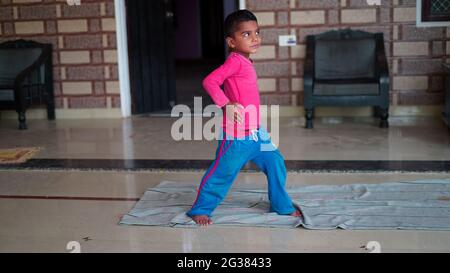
[(241, 4), (122, 54)]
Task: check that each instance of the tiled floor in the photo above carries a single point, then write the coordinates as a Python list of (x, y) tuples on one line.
[(150, 138), (43, 210)]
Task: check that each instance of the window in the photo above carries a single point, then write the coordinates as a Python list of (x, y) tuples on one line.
[(433, 12)]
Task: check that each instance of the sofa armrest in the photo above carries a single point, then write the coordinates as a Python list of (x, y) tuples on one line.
[(382, 71), (46, 51), (308, 73), (381, 61)]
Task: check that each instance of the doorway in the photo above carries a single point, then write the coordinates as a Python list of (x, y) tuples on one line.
[(150, 54), (199, 45), (173, 45)]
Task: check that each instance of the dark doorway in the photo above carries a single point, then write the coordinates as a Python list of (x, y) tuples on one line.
[(173, 45), (150, 43), (199, 45)]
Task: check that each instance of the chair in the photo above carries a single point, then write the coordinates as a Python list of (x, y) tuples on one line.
[(346, 68), (26, 77)]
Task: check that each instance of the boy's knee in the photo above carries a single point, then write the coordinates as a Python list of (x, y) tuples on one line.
[(278, 159)]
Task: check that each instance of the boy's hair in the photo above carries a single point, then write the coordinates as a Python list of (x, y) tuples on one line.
[(235, 18)]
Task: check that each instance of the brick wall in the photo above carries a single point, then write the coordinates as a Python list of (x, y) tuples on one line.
[(85, 61), (414, 54), (84, 46)]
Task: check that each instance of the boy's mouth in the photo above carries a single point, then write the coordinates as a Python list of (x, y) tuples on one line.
[(254, 46)]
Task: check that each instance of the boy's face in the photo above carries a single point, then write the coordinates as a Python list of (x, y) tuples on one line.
[(246, 39)]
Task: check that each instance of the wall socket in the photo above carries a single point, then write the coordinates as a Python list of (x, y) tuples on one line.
[(287, 40)]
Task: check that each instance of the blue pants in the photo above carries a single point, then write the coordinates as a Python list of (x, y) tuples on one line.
[(231, 155)]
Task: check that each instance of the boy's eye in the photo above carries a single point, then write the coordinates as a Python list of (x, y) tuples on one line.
[(247, 34)]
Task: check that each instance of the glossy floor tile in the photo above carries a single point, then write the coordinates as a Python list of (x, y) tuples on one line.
[(47, 225), (150, 138), (42, 210)]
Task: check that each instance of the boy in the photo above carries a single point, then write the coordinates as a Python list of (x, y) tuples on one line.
[(243, 136)]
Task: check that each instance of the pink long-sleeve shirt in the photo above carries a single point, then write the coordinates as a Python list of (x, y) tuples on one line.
[(239, 79)]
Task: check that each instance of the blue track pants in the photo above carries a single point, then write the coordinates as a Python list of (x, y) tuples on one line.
[(231, 155)]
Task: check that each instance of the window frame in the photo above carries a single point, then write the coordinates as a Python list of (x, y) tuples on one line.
[(423, 19)]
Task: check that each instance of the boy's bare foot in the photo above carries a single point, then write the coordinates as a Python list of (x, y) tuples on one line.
[(296, 213), (202, 220)]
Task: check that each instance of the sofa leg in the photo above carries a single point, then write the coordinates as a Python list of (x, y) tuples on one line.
[(376, 112), (309, 118), (22, 121), (384, 114), (51, 111)]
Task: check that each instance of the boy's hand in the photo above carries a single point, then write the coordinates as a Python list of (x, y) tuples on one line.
[(232, 111)]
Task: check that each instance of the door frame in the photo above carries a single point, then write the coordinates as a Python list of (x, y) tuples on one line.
[(122, 55)]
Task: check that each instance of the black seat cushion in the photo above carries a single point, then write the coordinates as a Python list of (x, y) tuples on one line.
[(346, 87), (6, 95)]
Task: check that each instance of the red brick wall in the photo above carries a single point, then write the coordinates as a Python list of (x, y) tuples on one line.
[(414, 54), (85, 61), (84, 44)]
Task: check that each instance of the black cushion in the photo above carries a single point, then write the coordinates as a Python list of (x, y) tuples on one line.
[(345, 59), (7, 95), (350, 89)]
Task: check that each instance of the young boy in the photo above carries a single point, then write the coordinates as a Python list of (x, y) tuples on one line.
[(242, 135)]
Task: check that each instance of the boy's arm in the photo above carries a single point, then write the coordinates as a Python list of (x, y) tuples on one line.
[(214, 80)]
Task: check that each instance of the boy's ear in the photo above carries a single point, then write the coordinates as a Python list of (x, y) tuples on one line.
[(230, 42)]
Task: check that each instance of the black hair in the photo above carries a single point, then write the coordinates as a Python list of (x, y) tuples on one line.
[(235, 18)]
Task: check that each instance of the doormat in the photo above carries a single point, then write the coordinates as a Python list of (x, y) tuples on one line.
[(17, 155)]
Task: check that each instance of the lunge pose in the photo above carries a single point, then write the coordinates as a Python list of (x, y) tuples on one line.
[(242, 137)]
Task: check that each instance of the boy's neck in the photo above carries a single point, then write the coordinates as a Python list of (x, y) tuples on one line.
[(246, 55)]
